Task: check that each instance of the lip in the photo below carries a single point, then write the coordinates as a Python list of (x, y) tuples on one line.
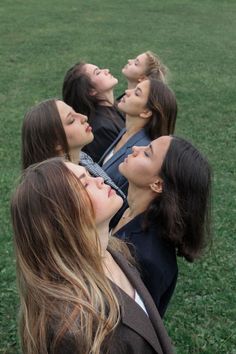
[(88, 129), (111, 192)]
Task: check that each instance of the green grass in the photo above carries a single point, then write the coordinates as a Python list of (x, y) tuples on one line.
[(196, 40)]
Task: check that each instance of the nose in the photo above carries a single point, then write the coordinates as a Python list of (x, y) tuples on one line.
[(100, 181), (106, 71), (129, 61), (127, 92), (135, 150)]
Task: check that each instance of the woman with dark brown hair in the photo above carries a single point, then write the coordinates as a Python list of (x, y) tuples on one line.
[(168, 214), (78, 293), (89, 90)]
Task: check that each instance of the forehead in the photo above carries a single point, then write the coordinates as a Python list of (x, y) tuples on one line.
[(142, 57), (89, 68), (76, 169), (161, 145), (144, 85), (63, 108)]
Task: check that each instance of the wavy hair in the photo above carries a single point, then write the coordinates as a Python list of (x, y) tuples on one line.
[(42, 132), (162, 103), (155, 68), (183, 208), (64, 293)]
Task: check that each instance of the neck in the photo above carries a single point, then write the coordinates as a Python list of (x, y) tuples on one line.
[(138, 199), (103, 233), (132, 84), (75, 155), (107, 99), (134, 124)]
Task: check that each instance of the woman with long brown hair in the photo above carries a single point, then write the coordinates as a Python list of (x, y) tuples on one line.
[(169, 210), (78, 293), (151, 111), (52, 128)]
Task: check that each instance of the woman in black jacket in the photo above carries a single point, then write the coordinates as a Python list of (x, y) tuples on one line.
[(89, 90)]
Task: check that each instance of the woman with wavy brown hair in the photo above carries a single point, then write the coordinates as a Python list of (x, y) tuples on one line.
[(78, 293)]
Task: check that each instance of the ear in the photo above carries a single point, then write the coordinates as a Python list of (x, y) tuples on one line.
[(58, 148), (93, 92), (157, 186), (143, 77), (146, 114)]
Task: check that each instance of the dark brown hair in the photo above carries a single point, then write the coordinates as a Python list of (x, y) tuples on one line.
[(42, 133), (162, 103), (183, 207), (77, 88)]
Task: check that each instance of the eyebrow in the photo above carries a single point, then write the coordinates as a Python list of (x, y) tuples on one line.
[(150, 146), (94, 71), (82, 176), (68, 115)]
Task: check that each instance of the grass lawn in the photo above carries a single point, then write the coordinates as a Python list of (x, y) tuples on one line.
[(196, 40)]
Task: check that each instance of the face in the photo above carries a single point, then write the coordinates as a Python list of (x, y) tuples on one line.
[(101, 78), (135, 68), (142, 167), (134, 102), (104, 199), (78, 131)]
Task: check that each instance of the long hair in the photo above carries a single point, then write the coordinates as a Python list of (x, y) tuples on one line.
[(42, 133), (155, 68), (183, 207), (162, 103), (64, 293), (77, 88)]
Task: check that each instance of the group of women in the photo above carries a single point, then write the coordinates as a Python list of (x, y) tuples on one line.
[(107, 200)]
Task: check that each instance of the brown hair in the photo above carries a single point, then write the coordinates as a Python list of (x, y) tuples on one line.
[(183, 208), (42, 132), (64, 293), (76, 90), (162, 103)]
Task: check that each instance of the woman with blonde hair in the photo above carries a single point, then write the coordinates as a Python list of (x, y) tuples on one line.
[(145, 65), (78, 293)]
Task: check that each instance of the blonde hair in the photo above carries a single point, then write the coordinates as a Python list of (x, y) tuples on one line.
[(64, 293), (155, 68)]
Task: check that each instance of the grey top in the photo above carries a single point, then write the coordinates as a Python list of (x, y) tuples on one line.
[(96, 171)]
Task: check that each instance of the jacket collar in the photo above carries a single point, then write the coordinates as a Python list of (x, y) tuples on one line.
[(131, 142), (131, 319)]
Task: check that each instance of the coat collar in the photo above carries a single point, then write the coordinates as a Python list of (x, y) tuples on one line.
[(135, 317), (131, 142)]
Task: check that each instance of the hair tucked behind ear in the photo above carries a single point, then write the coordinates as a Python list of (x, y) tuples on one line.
[(183, 207), (77, 88), (65, 295), (155, 68), (162, 103)]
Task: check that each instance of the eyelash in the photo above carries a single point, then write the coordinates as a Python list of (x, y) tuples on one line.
[(146, 154)]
